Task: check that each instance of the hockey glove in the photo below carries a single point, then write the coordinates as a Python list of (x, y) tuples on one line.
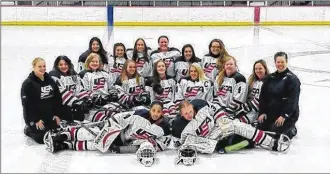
[(113, 95), (99, 100), (143, 99), (158, 89), (82, 105)]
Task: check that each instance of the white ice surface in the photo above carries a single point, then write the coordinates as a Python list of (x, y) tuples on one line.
[(309, 48)]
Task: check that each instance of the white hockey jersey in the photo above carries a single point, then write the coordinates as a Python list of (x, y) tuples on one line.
[(233, 91), (209, 66), (139, 126), (167, 97), (97, 83), (189, 89), (115, 67), (70, 87), (168, 57), (201, 125), (128, 89), (143, 67), (181, 68)]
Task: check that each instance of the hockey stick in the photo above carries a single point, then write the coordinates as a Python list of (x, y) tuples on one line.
[(89, 130)]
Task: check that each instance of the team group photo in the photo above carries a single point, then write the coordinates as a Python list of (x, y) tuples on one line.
[(144, 101)]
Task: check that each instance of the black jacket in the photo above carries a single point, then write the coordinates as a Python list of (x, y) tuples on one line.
[(280, 95), (41, 100), (179, 123)]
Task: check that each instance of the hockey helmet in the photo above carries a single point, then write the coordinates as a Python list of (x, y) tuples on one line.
[(146, 154), (187, 155)]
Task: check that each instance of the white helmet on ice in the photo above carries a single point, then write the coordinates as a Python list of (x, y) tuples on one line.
[(146, 154), (187, 155)]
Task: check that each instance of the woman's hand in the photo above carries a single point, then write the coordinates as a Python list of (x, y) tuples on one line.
[(261, 118), (58, 120), (280, 121), (40, 125)]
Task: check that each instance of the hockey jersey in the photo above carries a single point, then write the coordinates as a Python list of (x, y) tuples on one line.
[(209, 66), (83, 57), (115, 67), (70, 86), (233, 91), (194, 89), (140, 126), (253, 96), (97, 83), (201, 125), (168, 57), (167, 97), (181, 67), (143, 67), (129, 89)]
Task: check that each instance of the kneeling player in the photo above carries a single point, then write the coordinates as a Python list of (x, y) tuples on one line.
[(122, 130), (202, 124)]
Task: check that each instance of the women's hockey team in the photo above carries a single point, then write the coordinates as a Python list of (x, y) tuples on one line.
[(139, 100)]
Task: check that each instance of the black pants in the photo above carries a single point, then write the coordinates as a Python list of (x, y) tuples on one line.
[(286, 128), (38, 135)]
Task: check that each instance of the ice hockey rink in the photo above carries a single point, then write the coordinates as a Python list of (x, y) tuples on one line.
[(309, 58)]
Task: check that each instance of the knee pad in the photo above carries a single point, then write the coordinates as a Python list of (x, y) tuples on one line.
[(227, 127)]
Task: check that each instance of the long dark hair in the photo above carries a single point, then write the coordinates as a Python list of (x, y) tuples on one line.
[(71, 70), (156, 86), (101, 51), (145, 51), (156, 75), (193, 57), (114, 53), (221, 55)]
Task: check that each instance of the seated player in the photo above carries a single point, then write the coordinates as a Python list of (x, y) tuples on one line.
[(131, 87), (182, 63), (74, 97), (195, 86), (212, 63), (141, 55), (279, 99), (162, 88), (116, 62), (248, 112), (95, 46), (41, 101), (202, 124), (167, 54)]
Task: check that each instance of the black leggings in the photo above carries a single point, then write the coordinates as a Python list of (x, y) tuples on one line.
[(286, 128), (38, 135)]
